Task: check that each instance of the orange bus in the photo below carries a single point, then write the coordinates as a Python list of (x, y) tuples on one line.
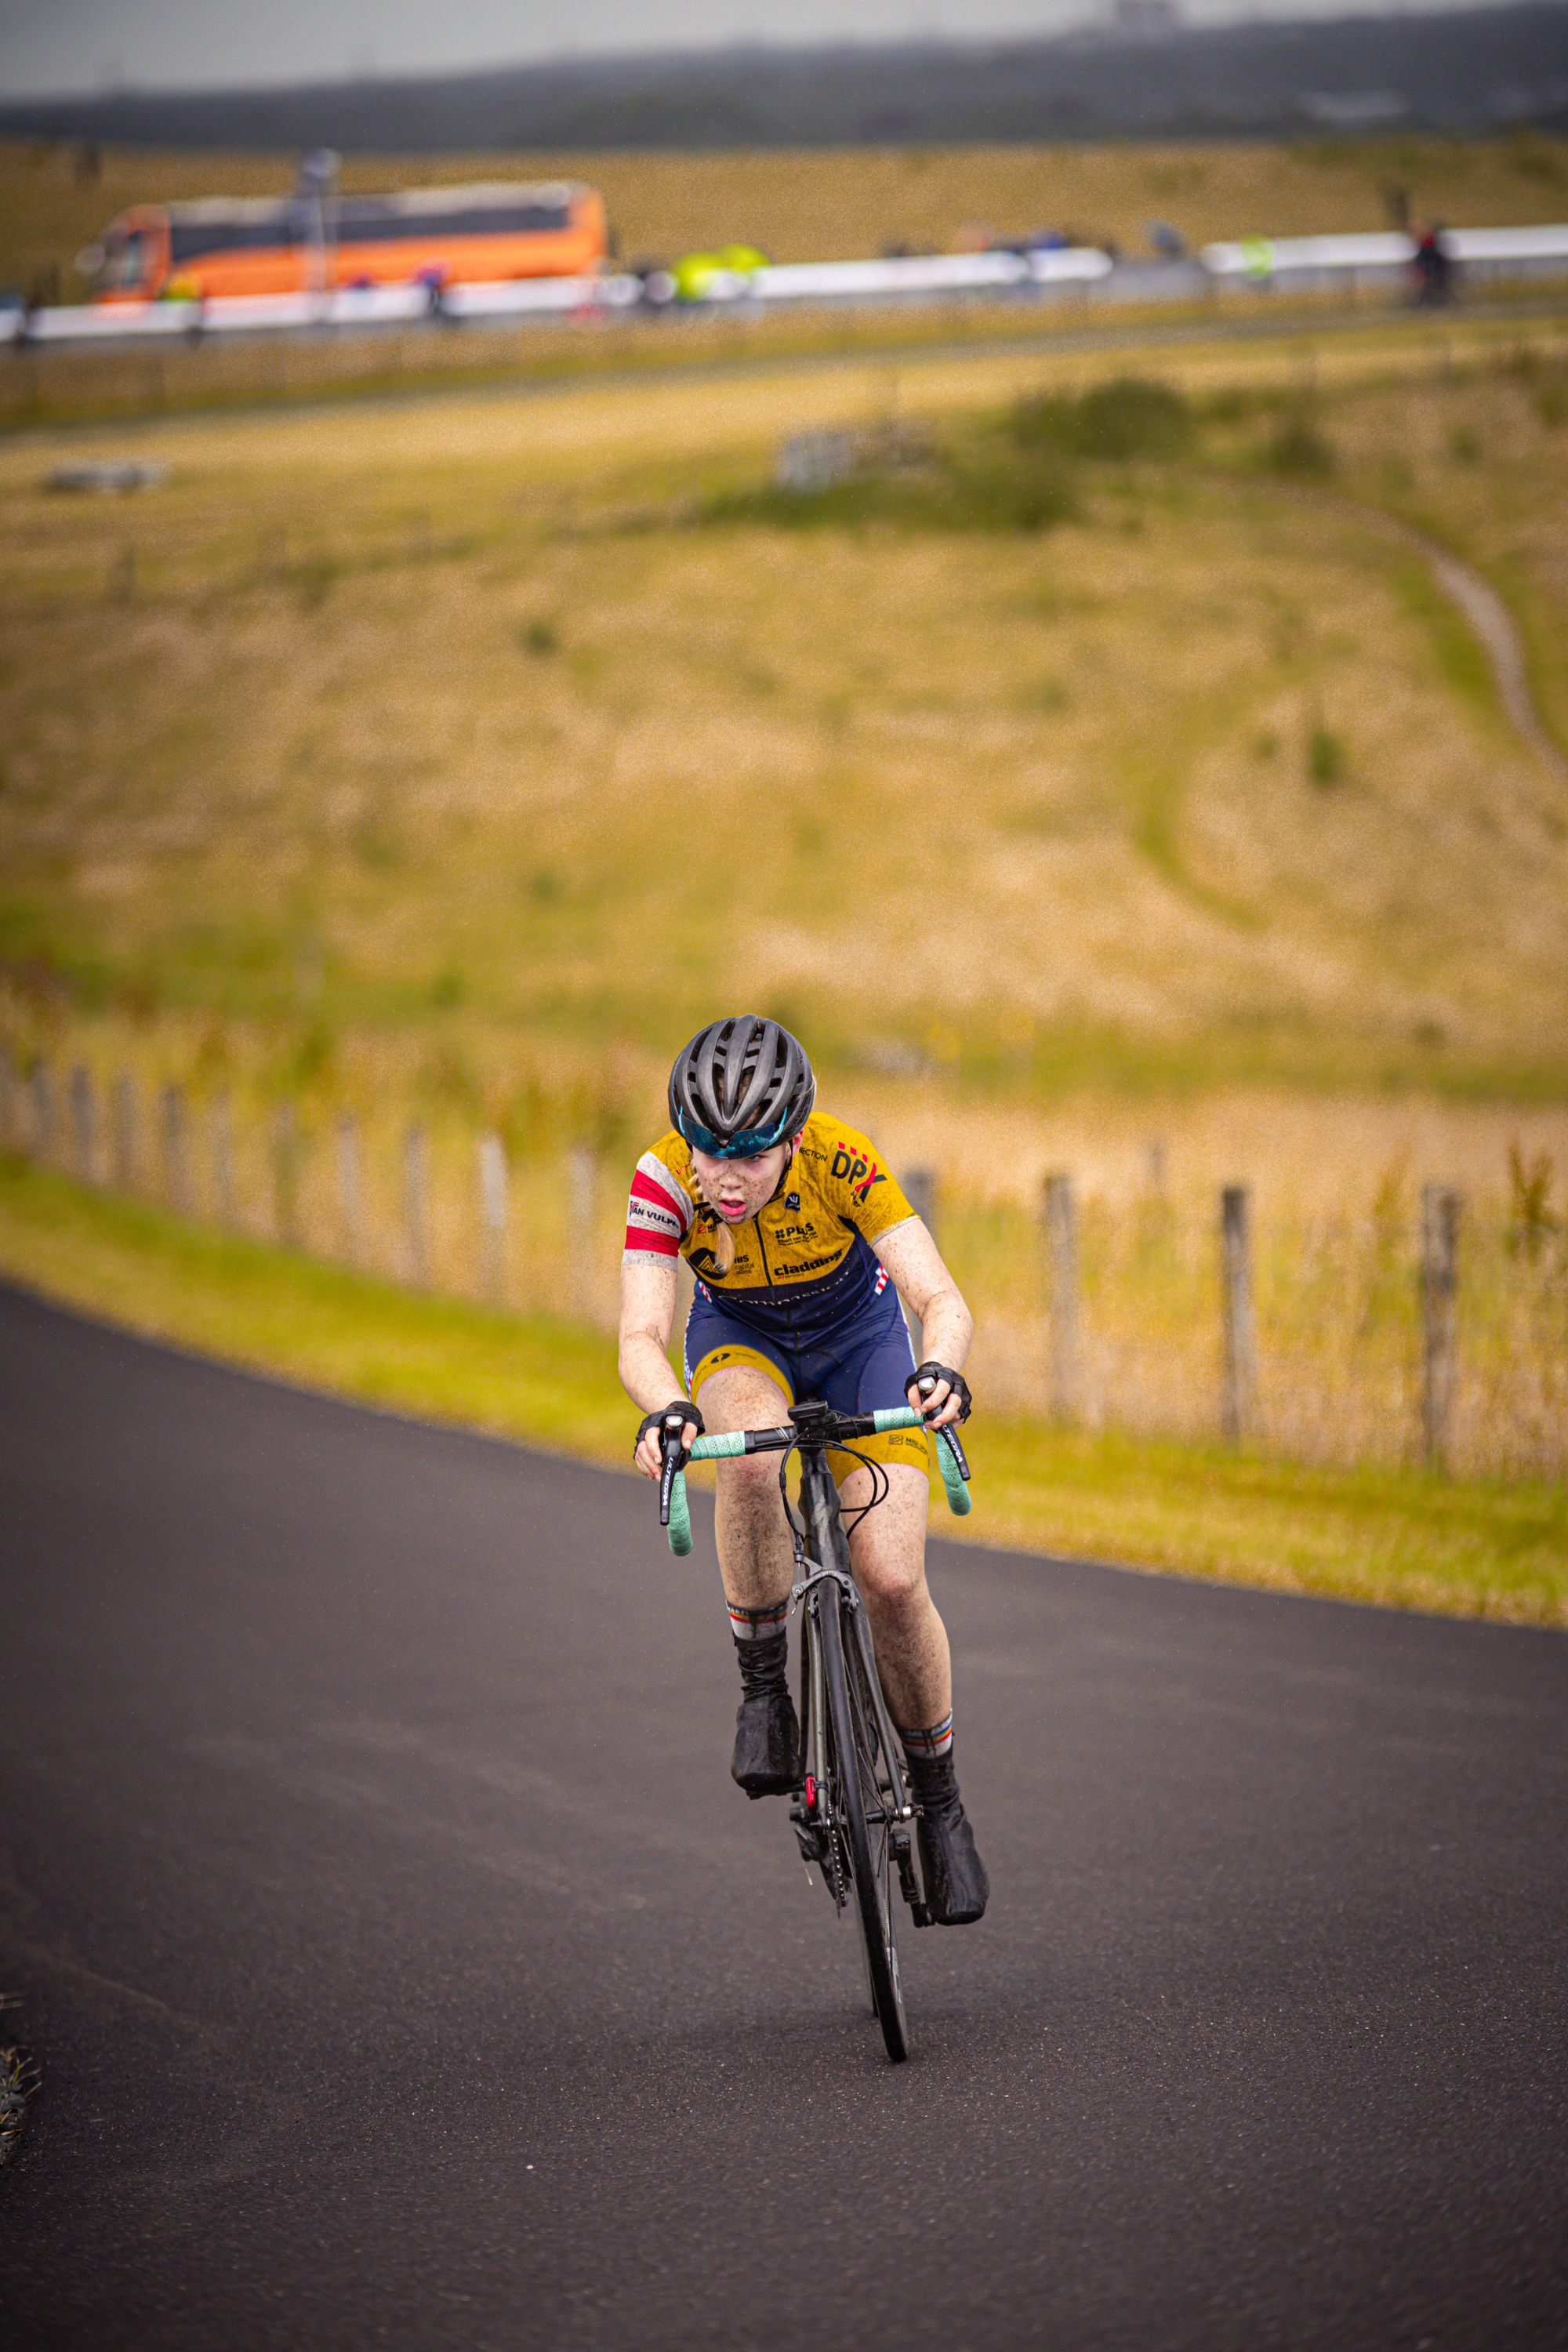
[(437, 236)]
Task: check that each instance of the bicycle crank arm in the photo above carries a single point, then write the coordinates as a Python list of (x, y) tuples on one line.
[(908, 1887)]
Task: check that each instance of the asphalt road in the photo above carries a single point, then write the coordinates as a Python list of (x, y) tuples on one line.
[(405, 1970)]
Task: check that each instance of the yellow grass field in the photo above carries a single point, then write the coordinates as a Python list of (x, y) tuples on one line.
[(458, 697)]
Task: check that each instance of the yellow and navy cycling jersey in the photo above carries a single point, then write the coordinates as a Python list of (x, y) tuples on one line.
[(804, 1270)]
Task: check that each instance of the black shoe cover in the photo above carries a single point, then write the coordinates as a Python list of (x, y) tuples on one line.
[(956, 1885), (767, 1761)]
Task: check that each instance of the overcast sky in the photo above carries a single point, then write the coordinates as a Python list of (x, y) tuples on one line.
[(51, 47)]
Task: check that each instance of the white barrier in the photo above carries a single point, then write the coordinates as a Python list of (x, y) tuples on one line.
[(346, 307), (519, 297), (1299, 263), (912, 276), (1386, 253)]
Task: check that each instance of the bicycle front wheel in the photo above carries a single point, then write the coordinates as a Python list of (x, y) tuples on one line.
[(862, 1807)]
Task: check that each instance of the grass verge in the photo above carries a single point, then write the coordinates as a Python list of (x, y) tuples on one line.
[(1403, 1538)]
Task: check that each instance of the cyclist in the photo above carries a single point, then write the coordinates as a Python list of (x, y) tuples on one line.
[(801, 1244)]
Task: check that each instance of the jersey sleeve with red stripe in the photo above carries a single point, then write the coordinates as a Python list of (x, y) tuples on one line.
[(659, 1212)]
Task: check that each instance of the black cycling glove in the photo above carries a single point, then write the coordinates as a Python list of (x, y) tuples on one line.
[(955, 1380), (669, 1416)]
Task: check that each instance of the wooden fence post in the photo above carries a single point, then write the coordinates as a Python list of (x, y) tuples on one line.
[(1439, 1277), (350, 1203), (921, 1191), (285, 1175), (1061, 1256), (84, 1123), (176, 1162), (124, 1162), (493, 1193), (582, 1174), (220, 1142), (43, 1111), (416, 1171), (1240, 1344)]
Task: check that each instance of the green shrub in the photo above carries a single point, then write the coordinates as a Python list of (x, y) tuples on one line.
[(1129, 417), (1134, 418), (949, 493), (1325, 758), (1551, 397), (1299, 449)]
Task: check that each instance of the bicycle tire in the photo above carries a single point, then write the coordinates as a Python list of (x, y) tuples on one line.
[(870, 1857)]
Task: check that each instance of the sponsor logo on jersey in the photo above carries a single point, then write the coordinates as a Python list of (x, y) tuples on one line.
[(849, 1168)]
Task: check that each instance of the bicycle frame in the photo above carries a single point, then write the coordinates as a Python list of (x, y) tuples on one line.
[(819, 1501)]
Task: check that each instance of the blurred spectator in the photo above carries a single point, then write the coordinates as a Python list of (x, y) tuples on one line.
[(1434, 271)]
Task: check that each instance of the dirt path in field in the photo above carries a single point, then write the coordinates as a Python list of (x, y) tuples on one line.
[(1492, 621), (1493, 624)]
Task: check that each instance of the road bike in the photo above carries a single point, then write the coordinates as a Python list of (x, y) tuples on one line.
[(852, 1809)]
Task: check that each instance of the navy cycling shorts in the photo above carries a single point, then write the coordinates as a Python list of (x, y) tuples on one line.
[(862, 1372)]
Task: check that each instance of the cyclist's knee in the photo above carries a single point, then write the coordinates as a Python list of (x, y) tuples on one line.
[(742, 1398), (750, 1477), (891, 1573)]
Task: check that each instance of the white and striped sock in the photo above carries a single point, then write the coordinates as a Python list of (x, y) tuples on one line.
[(758, 1624)]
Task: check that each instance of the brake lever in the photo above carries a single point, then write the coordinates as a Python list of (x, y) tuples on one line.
[(950, 1431), (674, 1454)]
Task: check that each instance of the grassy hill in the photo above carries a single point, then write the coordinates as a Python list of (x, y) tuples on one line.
[(478, 716)]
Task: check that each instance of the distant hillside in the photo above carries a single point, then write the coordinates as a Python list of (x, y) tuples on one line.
[(1472, 70)]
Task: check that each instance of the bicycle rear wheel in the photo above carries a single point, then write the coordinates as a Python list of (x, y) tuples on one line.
[(863, 1809)]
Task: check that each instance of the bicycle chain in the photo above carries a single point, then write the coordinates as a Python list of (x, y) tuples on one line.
[(840, 1884)]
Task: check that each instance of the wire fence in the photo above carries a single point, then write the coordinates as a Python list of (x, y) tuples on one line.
[(1424, 1326)]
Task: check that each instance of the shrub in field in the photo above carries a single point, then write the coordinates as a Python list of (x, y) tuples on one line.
[(1129, 417), (1532, 1223), (1299, 451), (1552, 399), (1325, 757), (949, 491)]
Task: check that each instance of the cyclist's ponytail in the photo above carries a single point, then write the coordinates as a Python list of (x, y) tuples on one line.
[(714, 1253)]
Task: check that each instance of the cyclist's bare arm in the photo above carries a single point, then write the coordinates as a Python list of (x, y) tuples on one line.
[(647, 1317), (930, 1292)]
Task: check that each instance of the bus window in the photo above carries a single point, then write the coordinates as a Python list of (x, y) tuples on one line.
[(369, 224), (270, 232), (125, 266)]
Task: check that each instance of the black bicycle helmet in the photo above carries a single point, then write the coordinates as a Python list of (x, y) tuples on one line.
[(740, 1086)]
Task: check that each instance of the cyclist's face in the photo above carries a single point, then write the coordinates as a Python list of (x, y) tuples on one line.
[(738, 1188)]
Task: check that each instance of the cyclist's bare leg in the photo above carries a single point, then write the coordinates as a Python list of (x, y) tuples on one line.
[(756, 1561), (887, 1551)]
